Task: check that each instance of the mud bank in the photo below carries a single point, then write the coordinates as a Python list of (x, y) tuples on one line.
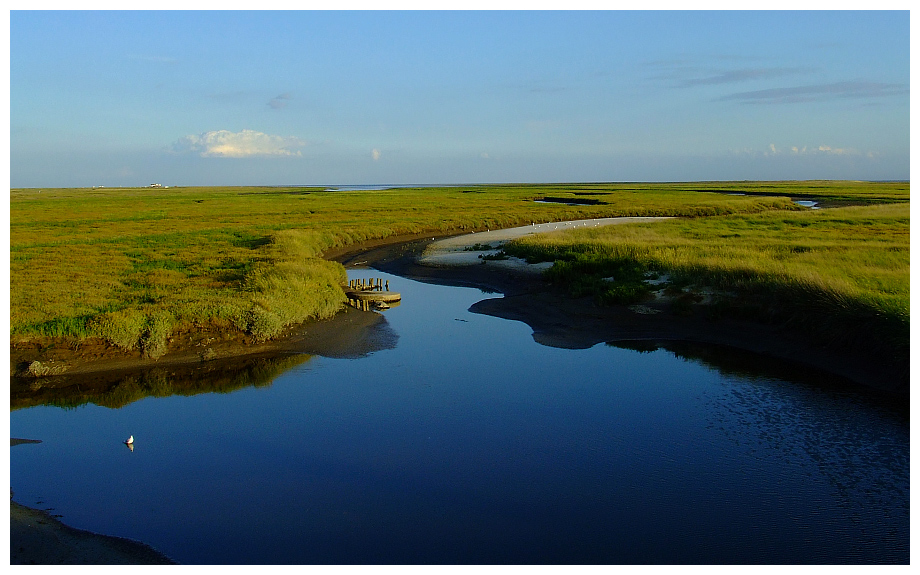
[(36, 538)]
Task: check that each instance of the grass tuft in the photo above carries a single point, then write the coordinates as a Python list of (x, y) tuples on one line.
[(123, 328)]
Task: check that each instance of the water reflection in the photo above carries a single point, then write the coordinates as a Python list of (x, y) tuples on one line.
[(471, 443), (118, 389), (807, 425), (350, 335)]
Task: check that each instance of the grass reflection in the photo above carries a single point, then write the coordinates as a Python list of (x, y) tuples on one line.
[(118, 389)]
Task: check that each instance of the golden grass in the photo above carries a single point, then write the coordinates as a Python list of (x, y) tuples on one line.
[(843, 272), (131, 265)]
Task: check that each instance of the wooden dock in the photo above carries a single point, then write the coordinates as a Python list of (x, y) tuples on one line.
[(372, 293)]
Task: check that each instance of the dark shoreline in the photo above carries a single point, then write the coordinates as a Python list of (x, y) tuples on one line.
[(37, 538), (560, 321)]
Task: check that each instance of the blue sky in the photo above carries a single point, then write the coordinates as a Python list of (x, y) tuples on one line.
[(320, 98)]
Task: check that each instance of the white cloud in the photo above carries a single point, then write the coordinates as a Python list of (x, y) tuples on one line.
[(823, 149), (836, 151), (244, 144), (375, 153)]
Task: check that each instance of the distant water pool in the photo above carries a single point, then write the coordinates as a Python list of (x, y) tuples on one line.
[(468, 442)]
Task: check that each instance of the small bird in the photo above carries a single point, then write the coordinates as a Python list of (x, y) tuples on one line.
[(129, 441)]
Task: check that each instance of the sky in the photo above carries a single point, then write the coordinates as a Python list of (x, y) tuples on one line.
[(378, 97)]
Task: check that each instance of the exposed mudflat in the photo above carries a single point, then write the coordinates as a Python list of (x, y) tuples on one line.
[(37, 538)]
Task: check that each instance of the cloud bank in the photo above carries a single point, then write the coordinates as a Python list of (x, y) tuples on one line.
[(745, 75), (244, 144), (822, 150), (688, 73), (819, 92)]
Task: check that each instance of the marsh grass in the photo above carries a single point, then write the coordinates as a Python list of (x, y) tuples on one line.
[(134, 265), (842, 274)]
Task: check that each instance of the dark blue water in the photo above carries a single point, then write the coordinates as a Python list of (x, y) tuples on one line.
[(469, 443)]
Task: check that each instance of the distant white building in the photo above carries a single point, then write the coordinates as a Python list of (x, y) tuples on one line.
[(156, 185)]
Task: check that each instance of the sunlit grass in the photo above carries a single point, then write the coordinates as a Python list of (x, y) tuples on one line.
[(133, 265), (842, 273)]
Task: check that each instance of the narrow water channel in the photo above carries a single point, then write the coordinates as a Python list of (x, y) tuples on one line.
[(464, 441)]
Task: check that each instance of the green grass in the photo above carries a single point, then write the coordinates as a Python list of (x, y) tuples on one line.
[(842, 274), (134, 265)]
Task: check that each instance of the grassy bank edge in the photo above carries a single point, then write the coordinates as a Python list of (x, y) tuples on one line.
[(616, 269), (288, 282)]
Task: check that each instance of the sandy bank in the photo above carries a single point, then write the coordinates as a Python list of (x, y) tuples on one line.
[(455, 251)]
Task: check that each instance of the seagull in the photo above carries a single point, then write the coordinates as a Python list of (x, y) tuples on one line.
[(129, 441)]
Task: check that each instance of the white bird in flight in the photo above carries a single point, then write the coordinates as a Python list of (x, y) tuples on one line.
[(130, 440)]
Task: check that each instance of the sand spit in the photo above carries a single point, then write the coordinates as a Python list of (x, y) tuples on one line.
[(457, 251)]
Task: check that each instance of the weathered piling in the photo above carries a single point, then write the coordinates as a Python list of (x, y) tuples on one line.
[(370, 293)]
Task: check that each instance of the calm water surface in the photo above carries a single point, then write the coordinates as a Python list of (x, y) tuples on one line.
[(468, 442)]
